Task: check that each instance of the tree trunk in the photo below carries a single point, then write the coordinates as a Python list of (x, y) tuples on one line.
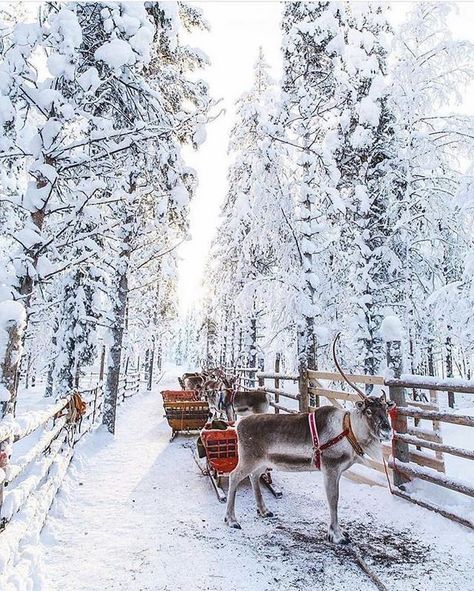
[(9, 366), (115, 353), (307, 346), (151, 363), (119, 314), (449, 367), (252, 356), (102, 365), (431, 365)]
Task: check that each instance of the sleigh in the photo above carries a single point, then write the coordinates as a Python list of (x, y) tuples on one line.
[(184, 411), (221, 446)]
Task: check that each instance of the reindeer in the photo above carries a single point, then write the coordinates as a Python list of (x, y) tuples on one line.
[(196, 380), (329, 439), (224, 397), (191, 381)]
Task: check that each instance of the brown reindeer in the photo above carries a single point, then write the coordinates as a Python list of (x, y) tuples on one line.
[(330, 440), (191, 381), (226, 398)]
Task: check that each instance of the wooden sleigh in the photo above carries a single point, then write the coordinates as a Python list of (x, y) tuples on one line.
[(184, 411), (221, 446)]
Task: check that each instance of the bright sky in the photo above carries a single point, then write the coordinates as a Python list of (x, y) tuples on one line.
[(238, 29)]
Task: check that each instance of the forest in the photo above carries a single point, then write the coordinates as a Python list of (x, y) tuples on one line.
[(347, 219)]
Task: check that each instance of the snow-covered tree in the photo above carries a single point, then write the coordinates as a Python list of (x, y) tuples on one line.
[(251, 246), (313, 40), (115, 96), (435, 140), (368, 263)]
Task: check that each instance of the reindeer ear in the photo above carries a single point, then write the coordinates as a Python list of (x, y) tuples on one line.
[(360, 404), (383, 398)]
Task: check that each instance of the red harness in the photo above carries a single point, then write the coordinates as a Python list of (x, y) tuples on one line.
[(317, 448)]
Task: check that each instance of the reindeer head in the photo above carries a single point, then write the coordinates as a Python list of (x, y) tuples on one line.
[(375, 413), (374, 410)]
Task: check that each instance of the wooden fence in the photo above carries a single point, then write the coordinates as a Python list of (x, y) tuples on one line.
[(54, 433), (417, 450), (35, 451), (129, 385)]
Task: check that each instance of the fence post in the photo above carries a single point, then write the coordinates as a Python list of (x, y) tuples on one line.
[(400, 449), (303, 387), (5, 452), (102, 365), (277, 381)]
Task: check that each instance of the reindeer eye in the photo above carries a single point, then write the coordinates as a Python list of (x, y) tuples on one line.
[(368, 412)]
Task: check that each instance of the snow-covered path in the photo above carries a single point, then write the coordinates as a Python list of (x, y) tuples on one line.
[(136, 514)]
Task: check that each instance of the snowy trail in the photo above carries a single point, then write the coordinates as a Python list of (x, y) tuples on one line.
[(136, 514)]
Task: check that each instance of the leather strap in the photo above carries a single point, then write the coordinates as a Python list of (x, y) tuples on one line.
[(315, 439), (350, 435), (346, 432)]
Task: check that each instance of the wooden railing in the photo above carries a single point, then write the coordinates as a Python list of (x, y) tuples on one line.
[(56, 435), (31, 478), (35, 451), (410, 439), (129, 385)]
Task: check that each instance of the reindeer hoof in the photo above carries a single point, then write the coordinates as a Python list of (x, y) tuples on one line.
[(265, 513), (341, 537), (232, 523)]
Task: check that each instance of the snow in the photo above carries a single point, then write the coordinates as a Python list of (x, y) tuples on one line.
[(11, 311), (180, 195), (89, 80), (115, 53), (445, 383), (369, 112), (139, 508), (391, 329), (59, 65), (4, 394), (7, 112)]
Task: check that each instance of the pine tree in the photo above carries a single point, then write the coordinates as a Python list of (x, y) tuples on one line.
[(313, 43), (368, 261), (431, 70), (253, 234)]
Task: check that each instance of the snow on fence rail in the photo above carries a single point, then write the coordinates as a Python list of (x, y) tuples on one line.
[(409, 455)]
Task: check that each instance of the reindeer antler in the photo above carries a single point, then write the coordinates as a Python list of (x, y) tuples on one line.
[(339, 368)]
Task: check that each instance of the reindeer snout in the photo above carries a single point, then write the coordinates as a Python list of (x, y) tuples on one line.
[(386, 433)]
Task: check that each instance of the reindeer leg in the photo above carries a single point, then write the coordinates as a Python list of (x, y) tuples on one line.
[(332, 477), (235, 479), (257, 491)]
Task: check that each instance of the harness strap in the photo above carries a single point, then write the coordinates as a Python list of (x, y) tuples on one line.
[(347, 432), (315, 438), (350, 435)]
